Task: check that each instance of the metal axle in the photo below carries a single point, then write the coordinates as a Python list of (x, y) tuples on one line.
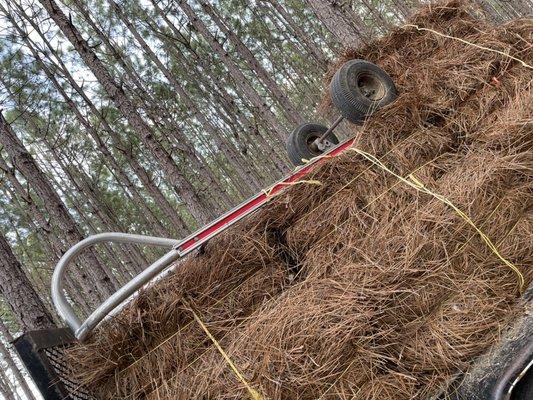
[(320, 143)]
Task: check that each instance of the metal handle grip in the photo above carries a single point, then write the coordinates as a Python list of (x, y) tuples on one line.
[(179, 249), (63, 307)]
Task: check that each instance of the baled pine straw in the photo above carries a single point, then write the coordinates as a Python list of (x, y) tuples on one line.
[(361, 287)]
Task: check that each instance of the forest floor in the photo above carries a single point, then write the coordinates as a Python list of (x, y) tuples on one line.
[(366, 286)]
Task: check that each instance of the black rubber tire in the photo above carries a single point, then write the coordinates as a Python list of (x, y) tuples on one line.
[(348, 96), (298, 142)]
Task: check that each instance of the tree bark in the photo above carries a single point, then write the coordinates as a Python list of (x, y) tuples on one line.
[(24, 162), (345, 31), (16, 289), (41, 226), (194, 202)]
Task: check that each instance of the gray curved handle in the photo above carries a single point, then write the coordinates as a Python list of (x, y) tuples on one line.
[(64, 309)]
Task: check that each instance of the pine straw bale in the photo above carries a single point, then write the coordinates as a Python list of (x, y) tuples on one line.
[(420, 283), (407, 139), (420, 125), (413, 306), (365, 314), (357, 206), (426, 353), (345, 290), (153, 336)]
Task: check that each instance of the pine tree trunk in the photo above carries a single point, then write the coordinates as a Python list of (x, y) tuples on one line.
[(153, 191), (229, 153), (24, 162), (204, 69), (194, 202), (317, 53), (39, 276), (47, 236), (16, 288), (101, 209), (43, 230), (348, 33), (111, 162), (290, 111), (242, 82)]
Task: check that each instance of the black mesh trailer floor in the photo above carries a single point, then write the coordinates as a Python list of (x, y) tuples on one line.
[(42, 352)]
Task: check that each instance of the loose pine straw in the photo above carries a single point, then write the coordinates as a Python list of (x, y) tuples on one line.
[(360, 287)]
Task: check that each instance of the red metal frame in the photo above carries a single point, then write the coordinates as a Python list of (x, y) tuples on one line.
[(252, 204)]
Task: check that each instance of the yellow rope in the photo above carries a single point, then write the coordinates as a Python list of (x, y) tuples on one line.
[(469, 43), (268, 192), (183, 328), (186, 325), (413, 182), (480, 226), (355, 178), (316, 158), (254, 394)]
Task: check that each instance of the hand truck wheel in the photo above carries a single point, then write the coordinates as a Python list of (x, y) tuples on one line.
[(302, 143), (359, 88)]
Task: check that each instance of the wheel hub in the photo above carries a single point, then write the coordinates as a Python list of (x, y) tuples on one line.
[(319, 146), (370, 86)]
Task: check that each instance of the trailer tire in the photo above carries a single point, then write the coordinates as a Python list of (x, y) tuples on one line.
[(299, 142), (359, 88)]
